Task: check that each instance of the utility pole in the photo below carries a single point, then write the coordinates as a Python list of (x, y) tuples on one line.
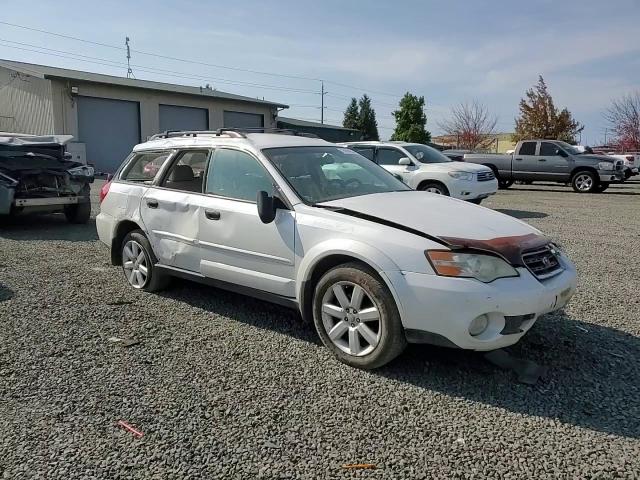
[(129, 71), (322, 94)]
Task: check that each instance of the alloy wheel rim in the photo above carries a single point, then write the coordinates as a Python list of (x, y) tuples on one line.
[(351, 318), (134, 263), (584, 182), (434, 190)]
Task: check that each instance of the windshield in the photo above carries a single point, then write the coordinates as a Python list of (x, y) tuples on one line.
[(425, 154), (321, 174), (570, 149)]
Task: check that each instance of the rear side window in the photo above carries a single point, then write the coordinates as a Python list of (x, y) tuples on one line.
[(144, 166), (187, 171), (527, 148), (366, 152), (238, 175), (389, 156)]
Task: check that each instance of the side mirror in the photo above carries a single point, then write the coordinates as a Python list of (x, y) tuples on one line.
[(266, 207), (561, 152), (404, 161)]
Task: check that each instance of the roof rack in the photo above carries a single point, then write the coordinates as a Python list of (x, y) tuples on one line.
[(230, 132)]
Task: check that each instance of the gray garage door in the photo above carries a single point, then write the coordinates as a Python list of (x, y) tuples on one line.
[(110, 128), (173, 117), (242, 120)]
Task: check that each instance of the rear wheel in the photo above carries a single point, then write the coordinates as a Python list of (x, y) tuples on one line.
[(434, 187), (138, 263), (78, 213), (504, 184), (584, 181), (356, 317)]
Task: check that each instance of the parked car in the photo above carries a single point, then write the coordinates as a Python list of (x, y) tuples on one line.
[(554, 161), (317, 227), (37, 177), (425, 168), (456, 155), (631, 162)]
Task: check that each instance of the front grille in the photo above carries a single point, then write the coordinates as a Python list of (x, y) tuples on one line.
[(486, 176), (542, 262), (619, 165)]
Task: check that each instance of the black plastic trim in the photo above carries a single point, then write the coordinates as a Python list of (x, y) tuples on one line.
[(422, 336)]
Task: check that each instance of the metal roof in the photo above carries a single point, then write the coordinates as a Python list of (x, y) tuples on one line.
[(44, 71), (303, 123)]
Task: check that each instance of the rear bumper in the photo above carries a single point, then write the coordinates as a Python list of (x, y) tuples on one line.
[(105, 225), (50, 201)]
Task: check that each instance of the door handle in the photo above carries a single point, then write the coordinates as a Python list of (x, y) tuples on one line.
[(212, 214), (152, 203), (519, 159), (542, 159)]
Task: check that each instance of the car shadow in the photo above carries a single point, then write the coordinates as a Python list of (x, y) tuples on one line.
[(46, 227), (521, 213), (593, 373), (5, 292), (592, 381)]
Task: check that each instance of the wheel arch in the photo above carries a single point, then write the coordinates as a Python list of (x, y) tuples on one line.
[(121, 230), (585, 169), (313, 267), (432, 180)]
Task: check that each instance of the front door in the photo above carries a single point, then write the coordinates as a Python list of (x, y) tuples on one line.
[(388, 158), (235, 246), (552, 165)]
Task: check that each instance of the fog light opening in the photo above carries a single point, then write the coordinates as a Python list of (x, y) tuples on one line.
[(478, 325)]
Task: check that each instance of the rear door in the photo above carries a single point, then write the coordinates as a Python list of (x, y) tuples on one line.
[(235, 246), (525, 161), (552, 165), (170, 210)]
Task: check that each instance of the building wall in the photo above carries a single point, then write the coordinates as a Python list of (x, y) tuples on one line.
[(26, 104), (66, 114)]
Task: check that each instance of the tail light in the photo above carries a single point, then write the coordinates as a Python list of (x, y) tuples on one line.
[(104, 190)]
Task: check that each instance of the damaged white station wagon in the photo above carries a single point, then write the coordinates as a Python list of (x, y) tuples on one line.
[(310, 225)]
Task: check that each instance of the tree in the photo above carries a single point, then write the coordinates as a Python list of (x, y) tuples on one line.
[(411, 120), (471, 124), (367, 122), (624, 117), (352, 115), (539, 118)]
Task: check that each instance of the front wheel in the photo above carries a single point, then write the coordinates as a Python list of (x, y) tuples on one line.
[(138, 263), (504, 184), (356, 317), (477, 201), (434, 187), (602, 186), (584, 182)]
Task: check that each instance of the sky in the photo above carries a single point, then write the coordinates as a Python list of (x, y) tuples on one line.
[(447, 51)]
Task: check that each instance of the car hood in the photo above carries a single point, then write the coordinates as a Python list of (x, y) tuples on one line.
[(597, 158), (454, 166), (454, 223)]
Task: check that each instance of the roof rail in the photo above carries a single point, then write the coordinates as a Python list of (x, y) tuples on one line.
[(230, 132)]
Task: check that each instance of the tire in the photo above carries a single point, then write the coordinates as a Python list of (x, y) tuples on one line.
[(477, 201), (434, 187), (504, 184), (380, 339), (602, 186), (79, 213), (584, 181), (627, 174), (151, 281)]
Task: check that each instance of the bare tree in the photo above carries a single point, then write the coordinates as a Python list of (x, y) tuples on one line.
[(624, 117), (471, 125)]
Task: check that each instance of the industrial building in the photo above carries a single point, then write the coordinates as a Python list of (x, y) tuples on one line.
[(108, 115)]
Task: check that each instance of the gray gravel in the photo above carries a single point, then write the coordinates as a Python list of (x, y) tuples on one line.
[(227, 387)]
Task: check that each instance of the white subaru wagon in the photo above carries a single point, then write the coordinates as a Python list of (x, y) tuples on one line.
[(317, 227)]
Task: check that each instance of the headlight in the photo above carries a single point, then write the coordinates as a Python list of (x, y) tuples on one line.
[(485, 268), (461, 175), (605, 166)]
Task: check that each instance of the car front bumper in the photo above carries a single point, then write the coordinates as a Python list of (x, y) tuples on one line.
[(472, 190), (611, 175), (439, 310)]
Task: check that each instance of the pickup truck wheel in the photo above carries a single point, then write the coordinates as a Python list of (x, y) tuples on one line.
[(78, 213), (627, 174), (504, 184), (584, 181), (602, 186), (357, 318), (434, 187), (138, 263)]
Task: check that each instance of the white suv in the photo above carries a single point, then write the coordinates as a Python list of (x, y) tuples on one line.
[(317, 227), (425, 168)]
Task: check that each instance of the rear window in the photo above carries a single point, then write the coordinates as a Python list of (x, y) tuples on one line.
[(144, 166)]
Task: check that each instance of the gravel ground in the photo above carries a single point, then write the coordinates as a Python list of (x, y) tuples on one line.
[(227, 387)]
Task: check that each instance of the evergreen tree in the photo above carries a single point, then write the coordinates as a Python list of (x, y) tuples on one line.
[(411, 121), (367, 123), (351, 115)]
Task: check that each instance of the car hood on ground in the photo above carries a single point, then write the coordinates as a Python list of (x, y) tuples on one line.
[(455, 223)]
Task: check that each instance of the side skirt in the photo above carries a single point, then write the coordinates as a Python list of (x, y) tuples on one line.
[(231, 287)]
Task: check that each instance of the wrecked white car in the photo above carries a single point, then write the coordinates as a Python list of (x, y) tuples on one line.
[(37, 177)]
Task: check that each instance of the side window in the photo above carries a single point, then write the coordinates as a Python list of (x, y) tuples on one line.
[(187, 171), (237, 175), (388, 156), (144, 166), (548, 149), (527, 148), (366, 152)]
